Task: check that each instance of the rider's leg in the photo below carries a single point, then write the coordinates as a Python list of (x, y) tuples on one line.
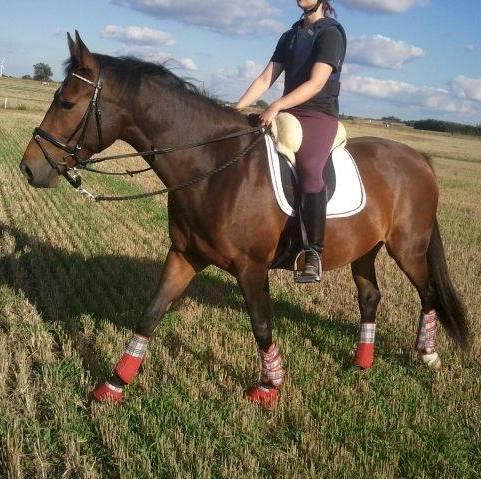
[(319, 131), (313, 213)]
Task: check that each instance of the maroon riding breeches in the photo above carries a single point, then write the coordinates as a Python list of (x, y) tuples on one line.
[(318, 132)]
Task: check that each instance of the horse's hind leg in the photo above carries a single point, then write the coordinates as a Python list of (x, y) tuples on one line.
[(254, 282), (411, 256), (177, 273), (364, 274)]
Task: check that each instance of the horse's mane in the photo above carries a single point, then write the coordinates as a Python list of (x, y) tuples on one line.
[(130, 72)]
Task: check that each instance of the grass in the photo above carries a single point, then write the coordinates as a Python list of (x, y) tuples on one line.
[(74, 277)]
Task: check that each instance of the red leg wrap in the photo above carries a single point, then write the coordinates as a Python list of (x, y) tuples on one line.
[(128, 367), (104, 393), (262, 395), (364, 355)]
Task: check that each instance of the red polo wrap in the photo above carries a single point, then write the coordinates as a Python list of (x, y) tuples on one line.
[(128, 367), (263, 396), (364, 355), (103, 393)]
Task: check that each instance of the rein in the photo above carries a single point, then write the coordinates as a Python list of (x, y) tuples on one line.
[(70, 173), (185, 184)]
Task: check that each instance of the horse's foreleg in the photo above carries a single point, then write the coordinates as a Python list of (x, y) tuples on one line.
[(254, 283), (364, 274), (177, 273)]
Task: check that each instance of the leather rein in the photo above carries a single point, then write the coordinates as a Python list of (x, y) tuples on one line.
[(71, 173)]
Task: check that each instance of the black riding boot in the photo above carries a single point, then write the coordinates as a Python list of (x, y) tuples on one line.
[(313, 213)]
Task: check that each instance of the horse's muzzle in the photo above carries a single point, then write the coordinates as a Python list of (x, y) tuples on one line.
[(38, 179)]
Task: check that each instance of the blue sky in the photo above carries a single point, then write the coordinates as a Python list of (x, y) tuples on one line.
[(408, 58)]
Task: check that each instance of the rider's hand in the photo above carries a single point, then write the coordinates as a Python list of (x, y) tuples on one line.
[(266, 117)]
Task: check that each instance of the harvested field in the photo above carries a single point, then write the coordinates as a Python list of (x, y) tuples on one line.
[(74, 277)]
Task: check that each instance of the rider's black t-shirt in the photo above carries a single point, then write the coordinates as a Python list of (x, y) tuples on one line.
[(329, 48)]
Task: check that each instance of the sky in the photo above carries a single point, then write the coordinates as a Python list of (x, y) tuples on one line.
[(407, 58)]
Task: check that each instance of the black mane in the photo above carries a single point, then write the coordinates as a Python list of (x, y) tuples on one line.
[(130, 71)]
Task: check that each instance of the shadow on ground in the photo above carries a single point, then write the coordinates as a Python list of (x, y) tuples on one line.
[(64, 286)]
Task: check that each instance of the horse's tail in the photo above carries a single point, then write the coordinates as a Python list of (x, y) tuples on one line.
[(450, 308)]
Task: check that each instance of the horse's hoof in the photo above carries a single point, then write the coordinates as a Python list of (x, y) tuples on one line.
[(107, 393), (364, 357), (264, 396), (433, 361)]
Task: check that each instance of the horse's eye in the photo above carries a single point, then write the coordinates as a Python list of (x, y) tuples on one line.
[(67, 105)]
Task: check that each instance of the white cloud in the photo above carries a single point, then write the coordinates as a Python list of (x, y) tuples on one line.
[(469, 88), (249, 70), (382, 52), (60, 32), (383, 6), (188, 64), (137, 35), (236, 80), (151, 54), (407, 94), (231, 17)]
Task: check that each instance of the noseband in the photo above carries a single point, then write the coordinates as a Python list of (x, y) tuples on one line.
[(63, 168)]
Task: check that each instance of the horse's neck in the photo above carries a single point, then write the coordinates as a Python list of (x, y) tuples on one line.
[(173, 117)]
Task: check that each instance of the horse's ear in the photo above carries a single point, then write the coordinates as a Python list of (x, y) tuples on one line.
[(86, 59), (72, 46)]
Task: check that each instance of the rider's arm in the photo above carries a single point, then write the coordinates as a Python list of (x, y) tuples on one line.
[(319, 75), (260, 85), (329, 54)]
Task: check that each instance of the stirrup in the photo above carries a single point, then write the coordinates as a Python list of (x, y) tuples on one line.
[(299, 276)]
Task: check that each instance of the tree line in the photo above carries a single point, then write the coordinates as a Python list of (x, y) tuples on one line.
[(446, 126)]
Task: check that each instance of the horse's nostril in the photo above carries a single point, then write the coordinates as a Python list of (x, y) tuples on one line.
[(26, 171), (29, 173)]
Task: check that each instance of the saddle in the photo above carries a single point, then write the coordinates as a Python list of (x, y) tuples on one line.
[(286, 132)]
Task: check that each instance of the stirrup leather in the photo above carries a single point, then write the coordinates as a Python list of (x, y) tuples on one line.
[(299, 276)]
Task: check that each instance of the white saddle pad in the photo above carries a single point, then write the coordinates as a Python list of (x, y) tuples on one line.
[(349, 197)]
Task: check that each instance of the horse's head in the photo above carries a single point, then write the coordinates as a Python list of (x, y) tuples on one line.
[(72, 128)]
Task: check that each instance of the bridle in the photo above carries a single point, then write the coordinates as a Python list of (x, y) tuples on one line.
[(63, 168), (71, 174)]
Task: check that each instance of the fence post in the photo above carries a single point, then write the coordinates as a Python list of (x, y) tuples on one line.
[(5, 104)]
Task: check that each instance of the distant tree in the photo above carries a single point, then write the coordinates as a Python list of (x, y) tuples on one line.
[(262, 104), (391, 119), (447, 126), (42, 72), (26, 77)]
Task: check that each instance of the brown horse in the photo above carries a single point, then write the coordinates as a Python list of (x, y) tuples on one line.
[(231, 219)]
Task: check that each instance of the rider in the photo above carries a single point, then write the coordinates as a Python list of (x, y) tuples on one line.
[(311, 53)]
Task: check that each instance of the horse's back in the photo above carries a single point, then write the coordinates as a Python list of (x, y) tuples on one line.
[(399, 181), (389, 152)]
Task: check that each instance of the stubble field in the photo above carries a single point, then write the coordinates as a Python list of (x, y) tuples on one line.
[(74, 277)]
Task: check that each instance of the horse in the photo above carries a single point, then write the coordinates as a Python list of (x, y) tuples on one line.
[(231, 219)]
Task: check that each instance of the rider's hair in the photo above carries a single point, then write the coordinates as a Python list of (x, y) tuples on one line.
[(327, 9)]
